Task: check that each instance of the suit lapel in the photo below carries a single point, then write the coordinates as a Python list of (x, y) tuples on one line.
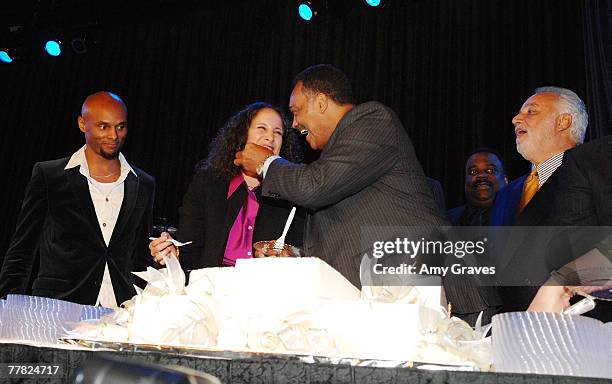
[(130, 196), (80, 188), (234, 204), (538, 209)]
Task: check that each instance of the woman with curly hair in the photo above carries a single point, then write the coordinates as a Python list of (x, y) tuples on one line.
[(223, 212)]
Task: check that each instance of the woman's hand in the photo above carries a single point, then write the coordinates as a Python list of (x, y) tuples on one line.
[(161, 247)]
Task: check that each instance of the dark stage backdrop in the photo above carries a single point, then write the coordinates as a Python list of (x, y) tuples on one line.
[(455, 72)]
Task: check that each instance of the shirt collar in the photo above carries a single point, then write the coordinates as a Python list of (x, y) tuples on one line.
[(548, 167), (234, 184), (78, 160)]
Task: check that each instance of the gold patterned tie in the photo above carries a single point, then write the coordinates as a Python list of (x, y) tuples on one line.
[(529, 189)]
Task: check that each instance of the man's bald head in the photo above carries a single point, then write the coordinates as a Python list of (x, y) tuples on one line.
[(103, 120), (102, 99)]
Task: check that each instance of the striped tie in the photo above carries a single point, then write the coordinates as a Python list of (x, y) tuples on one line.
[(529, 189)]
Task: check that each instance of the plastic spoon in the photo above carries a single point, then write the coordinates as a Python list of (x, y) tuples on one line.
[(280, 242)]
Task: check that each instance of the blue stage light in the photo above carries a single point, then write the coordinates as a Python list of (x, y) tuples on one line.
[(373, 3), (305, 11), (53, 48), (5, 57)]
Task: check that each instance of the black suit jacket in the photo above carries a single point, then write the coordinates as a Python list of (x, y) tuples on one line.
[(366, 180), (585, 199), (207, 216), (467, 215), (537, 212), (585, 195), (577, 193), (523, 264), (58, 222), (466, 294)]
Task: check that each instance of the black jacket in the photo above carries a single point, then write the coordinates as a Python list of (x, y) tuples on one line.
[(207, 216), (58, 224)]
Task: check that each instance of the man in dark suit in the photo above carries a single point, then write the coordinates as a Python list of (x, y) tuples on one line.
[(585, 199), (549, 123), (484, 176), (367, 176), (85, 218)]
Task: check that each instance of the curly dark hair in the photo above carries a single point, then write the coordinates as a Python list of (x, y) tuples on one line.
[(232, 137)]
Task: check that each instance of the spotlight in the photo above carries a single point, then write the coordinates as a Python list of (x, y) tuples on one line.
[(5, 56), (373, 3), (78, 45), (306, 10), (309, 9), (53, 47)]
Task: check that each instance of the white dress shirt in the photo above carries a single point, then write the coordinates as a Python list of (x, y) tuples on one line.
[(107, 199), (267, 163)]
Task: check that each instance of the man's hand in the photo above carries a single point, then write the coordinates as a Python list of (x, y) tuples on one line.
[(551, 298), (251, 157), (161, 247)]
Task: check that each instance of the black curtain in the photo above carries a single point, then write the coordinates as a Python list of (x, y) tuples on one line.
[(597, 16), (455, 72)]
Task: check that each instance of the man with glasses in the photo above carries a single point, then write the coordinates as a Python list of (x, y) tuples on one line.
[(484, 176)]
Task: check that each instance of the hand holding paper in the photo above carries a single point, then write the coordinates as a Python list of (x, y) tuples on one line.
[(164, 246)]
